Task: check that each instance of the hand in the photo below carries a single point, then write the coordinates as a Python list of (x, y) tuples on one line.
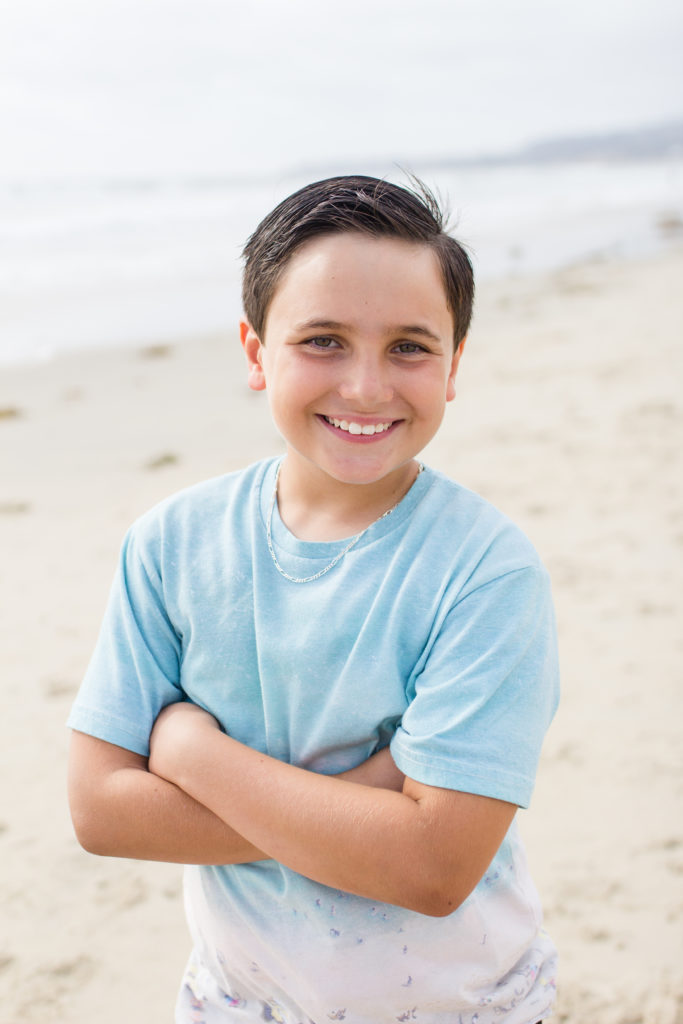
[(177, 728), (378, 771)]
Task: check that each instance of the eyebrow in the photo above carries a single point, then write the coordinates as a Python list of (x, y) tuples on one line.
[(336, 325)]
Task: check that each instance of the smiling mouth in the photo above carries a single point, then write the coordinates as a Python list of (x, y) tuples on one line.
[(367, 429)]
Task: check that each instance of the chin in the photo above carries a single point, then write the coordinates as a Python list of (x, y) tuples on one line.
[(368, 473)]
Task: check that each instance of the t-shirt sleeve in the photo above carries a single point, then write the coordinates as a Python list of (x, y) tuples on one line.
[(486, 692), (134, 670)]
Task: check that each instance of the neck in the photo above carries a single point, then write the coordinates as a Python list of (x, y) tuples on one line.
[(316, 507)]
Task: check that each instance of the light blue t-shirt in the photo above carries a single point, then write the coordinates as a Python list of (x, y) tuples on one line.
[(434, 634)]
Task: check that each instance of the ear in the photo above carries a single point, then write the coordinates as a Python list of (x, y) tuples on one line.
[(450, 385), (253, 349)]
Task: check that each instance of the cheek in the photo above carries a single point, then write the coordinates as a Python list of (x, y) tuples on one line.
[(300, 380), (435, 390)]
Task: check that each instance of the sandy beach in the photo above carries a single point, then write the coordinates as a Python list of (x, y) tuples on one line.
[(568, 417)]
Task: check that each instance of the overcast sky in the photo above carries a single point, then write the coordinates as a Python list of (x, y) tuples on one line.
[(193, 86)]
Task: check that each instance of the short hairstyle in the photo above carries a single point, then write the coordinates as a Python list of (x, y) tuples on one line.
[(358, 203)]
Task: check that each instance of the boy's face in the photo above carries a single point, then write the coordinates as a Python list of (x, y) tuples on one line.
[(357, 355)]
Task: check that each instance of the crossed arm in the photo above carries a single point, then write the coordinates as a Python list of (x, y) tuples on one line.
[(206, 798)]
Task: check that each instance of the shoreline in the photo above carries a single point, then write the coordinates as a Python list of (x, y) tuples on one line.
[(568, 417), (76, 271), (159, 344)]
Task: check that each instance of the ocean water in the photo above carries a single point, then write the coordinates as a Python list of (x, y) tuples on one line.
[(143, 141), (125, 264)]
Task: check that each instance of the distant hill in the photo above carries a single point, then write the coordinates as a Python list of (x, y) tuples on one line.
[(648, 142), (638, 144), (651, 142)]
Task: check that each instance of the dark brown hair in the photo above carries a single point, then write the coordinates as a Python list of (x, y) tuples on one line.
[(353, 203)]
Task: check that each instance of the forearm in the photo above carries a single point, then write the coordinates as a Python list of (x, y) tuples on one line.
[(359, 838), (120, 809), (147, 818)]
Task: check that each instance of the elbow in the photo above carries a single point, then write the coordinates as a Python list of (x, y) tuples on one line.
[(90, 846), (87, 838), (439, 909), (88, 831), (435, 900), (439, 904)]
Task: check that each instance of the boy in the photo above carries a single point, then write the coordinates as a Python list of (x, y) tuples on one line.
[(346, 661)]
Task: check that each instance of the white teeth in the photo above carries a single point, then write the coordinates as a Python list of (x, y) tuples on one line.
[(358, 428)]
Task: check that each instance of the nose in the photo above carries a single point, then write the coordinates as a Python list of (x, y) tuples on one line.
[(366, 382)]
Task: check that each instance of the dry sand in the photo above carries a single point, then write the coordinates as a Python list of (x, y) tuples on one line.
[(569, 418)]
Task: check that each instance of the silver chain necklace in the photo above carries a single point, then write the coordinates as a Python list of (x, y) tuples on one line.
[(337, 558)]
